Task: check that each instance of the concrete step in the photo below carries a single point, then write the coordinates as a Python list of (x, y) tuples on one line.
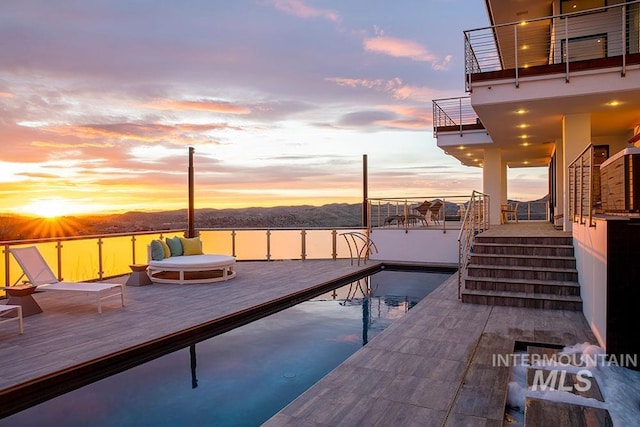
[(523, 260), (522, 285), (522, 299), (526, 240), (520, 249), (522, 272)]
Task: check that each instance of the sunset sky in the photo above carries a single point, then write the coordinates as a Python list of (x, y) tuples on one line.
[(100, 99)]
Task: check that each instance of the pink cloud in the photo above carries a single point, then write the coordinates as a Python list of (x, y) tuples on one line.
[(382, 84), (300, 9), (401, 48)]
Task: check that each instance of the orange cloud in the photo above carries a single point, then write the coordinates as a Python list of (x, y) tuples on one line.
[(6, 95), (203, 105), (65, 145), (301, 10)]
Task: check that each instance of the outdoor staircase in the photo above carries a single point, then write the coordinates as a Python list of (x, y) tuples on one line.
[(523, 271)]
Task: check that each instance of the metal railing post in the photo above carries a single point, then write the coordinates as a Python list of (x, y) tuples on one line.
[(59, 253), (100, 272), (566, 49), (334, 244), (233, 242), (133, 249), (460, 114), (7, 276), (623, 72), (303, 239), (268, 245), (515, 43)]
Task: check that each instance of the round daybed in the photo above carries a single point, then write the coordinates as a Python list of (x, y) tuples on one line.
[(192, 269)]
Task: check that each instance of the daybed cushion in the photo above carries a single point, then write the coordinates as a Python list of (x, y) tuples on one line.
[(175, 245), (194, 262), (157, 251), (165, 248), (191, 246)]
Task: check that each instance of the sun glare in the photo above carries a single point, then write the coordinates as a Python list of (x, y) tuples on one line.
[(50, 208)]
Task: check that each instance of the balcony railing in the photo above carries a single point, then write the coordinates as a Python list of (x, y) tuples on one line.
[(454, 114), (87, 258), (596, 38), (400, 212), (584, 187)]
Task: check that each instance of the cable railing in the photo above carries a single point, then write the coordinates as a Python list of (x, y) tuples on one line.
[(475, 221), (566, 41), (98, 257), (584, 187), (454, 114), (438, 212)]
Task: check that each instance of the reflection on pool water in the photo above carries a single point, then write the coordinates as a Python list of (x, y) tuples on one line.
[(245, 376)]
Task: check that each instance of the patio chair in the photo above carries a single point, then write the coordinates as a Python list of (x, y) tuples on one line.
[(509, 210), (435, 211), (423, 210), (39, 274), (6, 309)]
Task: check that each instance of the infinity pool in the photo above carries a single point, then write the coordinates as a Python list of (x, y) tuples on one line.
[(245, 376)]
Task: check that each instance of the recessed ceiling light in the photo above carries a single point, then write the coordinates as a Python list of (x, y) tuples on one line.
[(523, 136), (526, 162), (469, 154), (525, 144), (524, 47), (523, 125), (521, 111), (461, 147), (613, 103)]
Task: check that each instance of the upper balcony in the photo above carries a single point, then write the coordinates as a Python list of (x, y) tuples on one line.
[(557, 45), (525, 76)]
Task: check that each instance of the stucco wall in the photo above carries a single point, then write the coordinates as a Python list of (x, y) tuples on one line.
[(421, 245), (590, 245)]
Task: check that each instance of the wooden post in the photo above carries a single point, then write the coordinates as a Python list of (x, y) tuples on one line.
[(191, 231), (365, 193)]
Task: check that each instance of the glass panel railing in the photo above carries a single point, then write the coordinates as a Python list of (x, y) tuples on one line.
[(217, 241), (90, 258), (319, 244)]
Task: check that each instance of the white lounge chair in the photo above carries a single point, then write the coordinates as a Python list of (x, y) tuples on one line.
[(39, 274), (9, 308)]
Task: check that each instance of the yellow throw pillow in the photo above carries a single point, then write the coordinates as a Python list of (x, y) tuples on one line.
[(192, 246), (165, 248)]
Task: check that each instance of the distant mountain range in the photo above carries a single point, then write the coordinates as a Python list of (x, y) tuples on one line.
[(339, 215), (15, 227)]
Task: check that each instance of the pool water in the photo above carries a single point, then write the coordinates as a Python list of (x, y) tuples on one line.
[(245, 376)]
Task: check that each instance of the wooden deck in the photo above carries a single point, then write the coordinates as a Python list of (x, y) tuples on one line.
[(431, 367), (70, 332)]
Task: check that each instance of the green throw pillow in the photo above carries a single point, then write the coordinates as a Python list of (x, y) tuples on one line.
[(175, 245), (192, 246), (157, 251)]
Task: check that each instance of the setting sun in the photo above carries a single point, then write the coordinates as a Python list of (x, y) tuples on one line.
[(51, 207)]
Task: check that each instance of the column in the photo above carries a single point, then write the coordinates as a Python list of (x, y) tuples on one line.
[(576, 136), (493, 171)]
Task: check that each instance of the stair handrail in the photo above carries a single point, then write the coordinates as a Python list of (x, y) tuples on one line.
[(474, 222), (362, 252)]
